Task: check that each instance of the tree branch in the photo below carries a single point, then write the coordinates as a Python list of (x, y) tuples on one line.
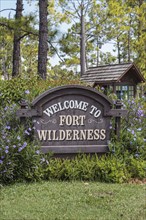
[(56, 51), (6, 25), (8, 9), (28, 33)]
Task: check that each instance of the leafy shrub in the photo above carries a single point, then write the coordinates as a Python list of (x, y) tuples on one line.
[(132, 137), (83, 167), (20, 157), (12, 91), (136, 167)]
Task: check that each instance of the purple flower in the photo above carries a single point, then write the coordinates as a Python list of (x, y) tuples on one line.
[(136, 155), (139, 129), (7, 147), (132, 132), (6, 151), (8, 127), (132, 102), (24, 145), (26, 132), (42, 159), (1, 161), (140, 113), (27, 91), (20, 149), (14, 146), (18, 137), (37, 152)]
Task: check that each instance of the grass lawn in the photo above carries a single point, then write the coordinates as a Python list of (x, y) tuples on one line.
[(72, 201)]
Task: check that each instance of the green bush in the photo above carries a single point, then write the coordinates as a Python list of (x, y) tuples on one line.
[(132, 136), (20, 156), (136, 167), (88, 168), (14, 90)]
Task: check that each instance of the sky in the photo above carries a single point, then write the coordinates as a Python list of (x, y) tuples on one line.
[(4, 4), (8, 4)]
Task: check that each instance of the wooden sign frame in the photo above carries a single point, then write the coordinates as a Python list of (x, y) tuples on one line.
[(72, 119)]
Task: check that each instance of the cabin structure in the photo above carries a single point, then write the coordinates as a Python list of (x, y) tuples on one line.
[(121, 79)]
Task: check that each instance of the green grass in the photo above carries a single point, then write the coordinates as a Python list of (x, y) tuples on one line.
[(72, 201)]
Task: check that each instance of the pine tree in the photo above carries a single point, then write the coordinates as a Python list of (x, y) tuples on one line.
[(17, 39), (43, 39), (88, 24)]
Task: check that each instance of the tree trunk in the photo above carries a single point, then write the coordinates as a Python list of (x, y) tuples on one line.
[(43, 37), (119, 55), (16, 41), (129, 54), (82, 44)]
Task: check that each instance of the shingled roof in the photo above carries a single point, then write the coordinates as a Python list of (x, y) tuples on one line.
[(111, 73)]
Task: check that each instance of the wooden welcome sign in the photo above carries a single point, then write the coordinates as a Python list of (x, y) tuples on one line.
[(72, 119)]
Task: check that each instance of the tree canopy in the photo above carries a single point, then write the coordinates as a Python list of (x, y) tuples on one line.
[(75, 32)]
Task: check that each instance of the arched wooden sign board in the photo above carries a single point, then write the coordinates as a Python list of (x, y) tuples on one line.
[(72, 119)]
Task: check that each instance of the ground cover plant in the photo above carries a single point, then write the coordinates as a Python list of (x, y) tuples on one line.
[(22, 160), (73, 200)]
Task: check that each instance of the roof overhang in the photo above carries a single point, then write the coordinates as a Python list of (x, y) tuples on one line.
[(139, 76)]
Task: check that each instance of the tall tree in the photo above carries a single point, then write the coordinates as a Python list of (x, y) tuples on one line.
[(43, 38), (27, 43), (6, 41), (126, 25), (17, 39), (88, 23)]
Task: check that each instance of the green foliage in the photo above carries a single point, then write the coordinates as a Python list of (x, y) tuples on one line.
[(126, 23), (136, 167), (120, 23), (20, 156), (14, 90), (108, 169), (132, 137), (6, 41)]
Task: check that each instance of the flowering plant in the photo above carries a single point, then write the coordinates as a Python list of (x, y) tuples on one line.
[(20, 156), (133, 130)]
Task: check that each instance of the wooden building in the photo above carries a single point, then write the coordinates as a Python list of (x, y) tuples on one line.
[(121, 79)]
